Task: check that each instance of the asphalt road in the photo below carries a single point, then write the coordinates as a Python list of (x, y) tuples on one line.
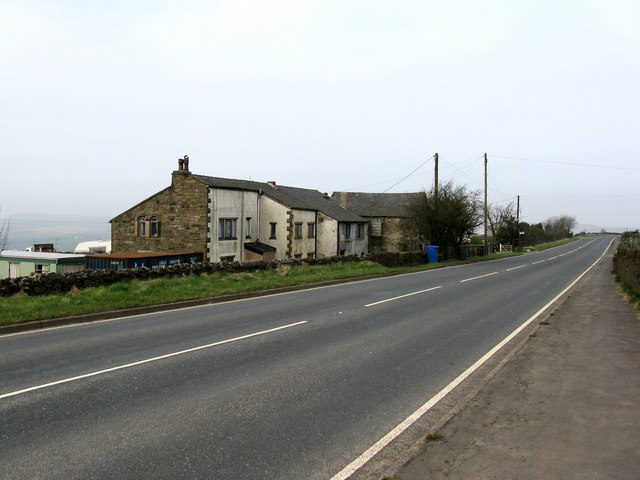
[(287, 386)]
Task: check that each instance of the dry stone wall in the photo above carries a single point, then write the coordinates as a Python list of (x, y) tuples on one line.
[(62, 283)]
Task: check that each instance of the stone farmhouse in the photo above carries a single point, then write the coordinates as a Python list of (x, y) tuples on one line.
[(238, 220), (390, 229)]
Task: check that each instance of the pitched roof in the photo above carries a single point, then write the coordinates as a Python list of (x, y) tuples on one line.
[(300, 198), (376, 204)]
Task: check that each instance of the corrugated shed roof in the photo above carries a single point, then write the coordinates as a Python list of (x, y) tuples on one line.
[(300, 198), (376, 204)]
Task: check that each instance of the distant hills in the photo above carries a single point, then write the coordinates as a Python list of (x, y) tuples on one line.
[(583, 227), (64, 231)]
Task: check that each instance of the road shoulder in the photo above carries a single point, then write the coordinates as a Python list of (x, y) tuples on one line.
[(565, 406)]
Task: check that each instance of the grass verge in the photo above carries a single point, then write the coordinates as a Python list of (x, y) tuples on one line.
[(632, 294), (136, 293)]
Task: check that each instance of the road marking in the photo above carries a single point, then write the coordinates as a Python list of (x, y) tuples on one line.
[(515, 268), (148, 360), (539, 261), (480, 276), (552, 258), (350, 469), (403, 296)]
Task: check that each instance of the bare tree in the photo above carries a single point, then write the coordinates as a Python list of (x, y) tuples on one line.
[(502, 221), (556, 228), (4, 234)]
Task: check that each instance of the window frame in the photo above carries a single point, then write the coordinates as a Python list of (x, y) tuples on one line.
[(297, 230), (141, 226), (154, 227), (311, 230), (274, 230), (227, 228)]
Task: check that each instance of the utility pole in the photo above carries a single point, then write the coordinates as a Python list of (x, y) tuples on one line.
[(486, 251), (518, 219), (435, 187)]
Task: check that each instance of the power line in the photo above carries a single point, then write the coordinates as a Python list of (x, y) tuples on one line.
[(414, 171), (572, 164)]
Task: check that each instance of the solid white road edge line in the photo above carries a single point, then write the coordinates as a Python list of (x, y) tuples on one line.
[(350, 469), (480, 276), (148, 360), (402, 296)]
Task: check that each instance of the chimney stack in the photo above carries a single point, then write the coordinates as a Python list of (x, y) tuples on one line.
[(343, 199), (182, 172)]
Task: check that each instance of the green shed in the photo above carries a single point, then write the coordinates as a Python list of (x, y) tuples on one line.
[(18, 263)]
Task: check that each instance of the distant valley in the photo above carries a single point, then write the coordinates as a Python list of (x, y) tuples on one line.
[(64, 231)]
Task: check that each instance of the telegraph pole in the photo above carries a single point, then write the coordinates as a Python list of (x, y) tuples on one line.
[(435, 187), (486, 251), (518, 219)]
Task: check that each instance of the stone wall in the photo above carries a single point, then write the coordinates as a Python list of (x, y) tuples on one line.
[(181, 210), (62, 283), (626, 264)]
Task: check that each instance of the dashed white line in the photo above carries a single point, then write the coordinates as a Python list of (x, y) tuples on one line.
[(479, 276), (403, 296), (515, 268), (148, 360), (539, 261)]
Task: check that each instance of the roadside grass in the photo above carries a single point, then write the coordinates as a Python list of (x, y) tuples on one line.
[(632, 294), (434, 437), (136, 293), (545, 246)]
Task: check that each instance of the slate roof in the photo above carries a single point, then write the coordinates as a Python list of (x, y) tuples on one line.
[(376, 204), (299, 198)]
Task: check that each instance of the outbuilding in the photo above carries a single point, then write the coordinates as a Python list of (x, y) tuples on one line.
[(19, 263)]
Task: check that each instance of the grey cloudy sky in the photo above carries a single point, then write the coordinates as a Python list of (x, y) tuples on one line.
[(99, 99)]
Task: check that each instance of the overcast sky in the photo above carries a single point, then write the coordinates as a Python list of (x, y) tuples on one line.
[(100, 99)]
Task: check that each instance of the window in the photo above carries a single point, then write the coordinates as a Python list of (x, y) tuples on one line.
[(298, 230), (228, 259), (154, 227), (311, 230), (297, 256), (42, 268), (347, 231), (248, 227), (310, 255), (227, 228), (361, 230), (273, 230), (142, 227), (148, 228)]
